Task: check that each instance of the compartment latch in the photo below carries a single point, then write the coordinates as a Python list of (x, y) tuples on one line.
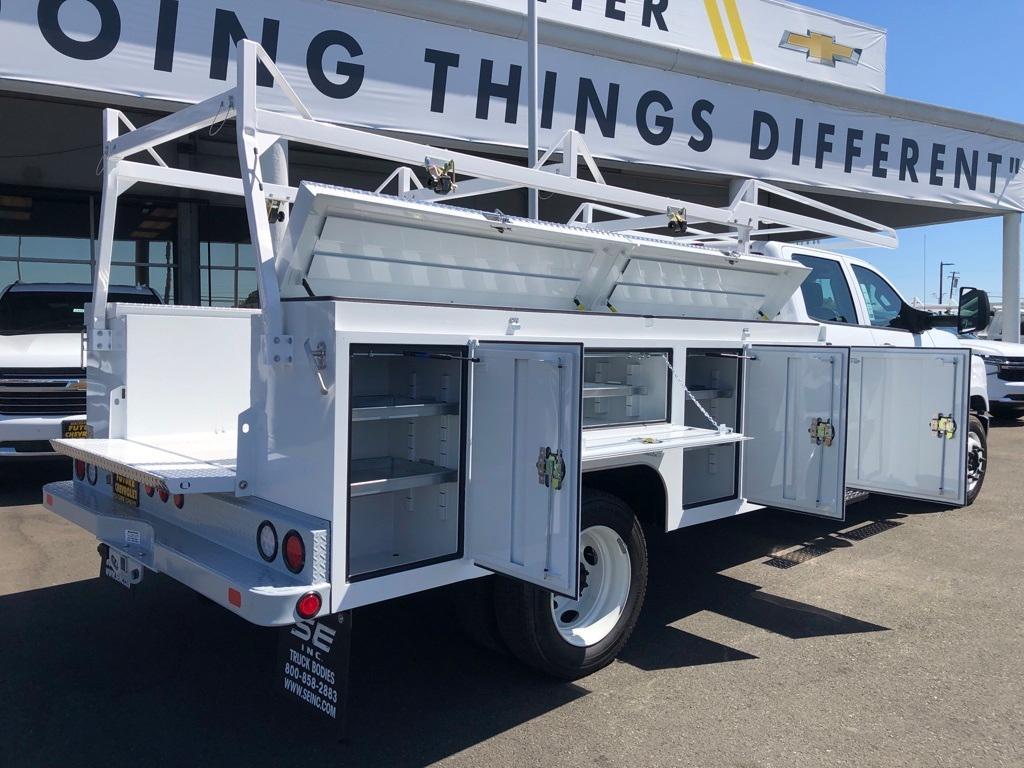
[(551, 468), (822, 432), (943, 426)]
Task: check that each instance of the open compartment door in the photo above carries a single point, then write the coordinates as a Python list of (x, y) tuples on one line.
[(523, 469), (908, 422), (795, 416)]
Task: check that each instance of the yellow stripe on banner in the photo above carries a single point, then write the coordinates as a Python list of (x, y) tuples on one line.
[(719, 29), (738, 32)]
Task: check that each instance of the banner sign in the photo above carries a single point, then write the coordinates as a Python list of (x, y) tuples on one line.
[(765, 33), (384, 71)]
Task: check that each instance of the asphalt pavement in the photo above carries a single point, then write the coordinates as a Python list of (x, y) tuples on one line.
[(773, 640)]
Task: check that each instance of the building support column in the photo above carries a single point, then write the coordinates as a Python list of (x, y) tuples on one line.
[(1011, 278), (187, 252)]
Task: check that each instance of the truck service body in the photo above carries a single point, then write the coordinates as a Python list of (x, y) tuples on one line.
[(431, 394)]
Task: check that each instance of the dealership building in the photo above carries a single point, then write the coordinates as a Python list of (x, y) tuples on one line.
[(686, 98)]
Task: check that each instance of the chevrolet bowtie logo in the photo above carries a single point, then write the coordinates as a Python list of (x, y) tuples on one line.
[(820, 48)]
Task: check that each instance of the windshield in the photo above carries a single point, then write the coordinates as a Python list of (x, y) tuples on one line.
[(29, 312)]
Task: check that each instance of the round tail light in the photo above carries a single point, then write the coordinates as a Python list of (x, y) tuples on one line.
[(150, 490), (309, 605), (80, 469), (294, 552), (92, 474), (266, 541), (179, 500), (164, 495)]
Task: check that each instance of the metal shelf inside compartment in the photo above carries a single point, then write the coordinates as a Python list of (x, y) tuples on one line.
[(706, 393), (591, 389), (384, 407), (387, 474)]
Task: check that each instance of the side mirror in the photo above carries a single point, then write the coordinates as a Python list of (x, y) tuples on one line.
[(975, 311)]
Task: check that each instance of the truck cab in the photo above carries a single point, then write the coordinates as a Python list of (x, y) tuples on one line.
[(857, 304), (42, 362)]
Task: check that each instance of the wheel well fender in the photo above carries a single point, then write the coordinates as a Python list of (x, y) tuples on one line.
[(639, 486)]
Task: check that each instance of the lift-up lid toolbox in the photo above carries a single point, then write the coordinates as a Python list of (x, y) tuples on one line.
[(351, 244), (177, 463)]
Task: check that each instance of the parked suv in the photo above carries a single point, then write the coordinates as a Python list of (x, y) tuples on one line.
[(42, 369)]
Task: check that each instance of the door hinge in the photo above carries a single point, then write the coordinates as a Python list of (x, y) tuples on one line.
[(822, 432), (943, 426), (551, 468)]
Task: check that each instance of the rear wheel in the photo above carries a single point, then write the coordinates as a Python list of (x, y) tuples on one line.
[(977, 458), (572, 638)]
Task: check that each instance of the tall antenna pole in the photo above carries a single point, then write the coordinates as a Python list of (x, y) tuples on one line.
[(531, 77)]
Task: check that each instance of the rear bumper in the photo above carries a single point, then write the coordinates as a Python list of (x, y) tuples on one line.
[(263, 596)]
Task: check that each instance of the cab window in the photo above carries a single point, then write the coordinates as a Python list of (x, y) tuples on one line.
[(884, 304), (826, 293)]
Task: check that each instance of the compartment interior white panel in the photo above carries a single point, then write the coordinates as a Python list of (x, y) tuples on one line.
[(348, 243), (786, 389), (894, 395), (525, 399)]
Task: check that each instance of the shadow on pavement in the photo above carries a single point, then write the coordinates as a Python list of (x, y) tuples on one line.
[(94, 676)]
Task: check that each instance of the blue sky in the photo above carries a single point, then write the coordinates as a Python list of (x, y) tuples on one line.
[(958, 54)]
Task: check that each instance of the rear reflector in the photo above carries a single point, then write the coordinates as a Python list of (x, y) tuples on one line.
[(234, 597), (294, 552), (49, 500), (308, 605)]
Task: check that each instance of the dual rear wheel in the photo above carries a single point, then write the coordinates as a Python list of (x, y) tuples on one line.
[(559, 636)]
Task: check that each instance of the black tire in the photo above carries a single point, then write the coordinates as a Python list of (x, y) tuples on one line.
[(977, 458), (524, 611)]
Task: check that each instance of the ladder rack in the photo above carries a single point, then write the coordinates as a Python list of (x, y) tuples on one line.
[(451, 176)]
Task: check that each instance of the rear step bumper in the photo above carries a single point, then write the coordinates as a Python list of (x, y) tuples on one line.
[(267, 598)]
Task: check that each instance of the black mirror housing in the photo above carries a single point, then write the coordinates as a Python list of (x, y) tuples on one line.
[(975, 311)]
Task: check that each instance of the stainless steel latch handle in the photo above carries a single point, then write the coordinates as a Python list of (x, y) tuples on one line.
[(318, 359)]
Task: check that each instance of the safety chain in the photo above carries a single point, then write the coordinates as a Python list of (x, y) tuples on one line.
[(722, 428)]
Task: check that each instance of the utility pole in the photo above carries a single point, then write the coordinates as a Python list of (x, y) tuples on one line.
[(942, 276), (531, 79)]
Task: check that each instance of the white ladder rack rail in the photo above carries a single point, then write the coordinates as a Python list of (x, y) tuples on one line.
[(258, 128)]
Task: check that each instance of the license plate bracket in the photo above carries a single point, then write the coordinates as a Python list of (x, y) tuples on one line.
[(120, 568), (75, 429), (126, 491)]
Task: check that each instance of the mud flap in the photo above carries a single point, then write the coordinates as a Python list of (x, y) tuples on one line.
[(313, 666)]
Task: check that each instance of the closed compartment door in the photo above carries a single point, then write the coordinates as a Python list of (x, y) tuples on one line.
[(524, 471), (908, 422), (795, 415)]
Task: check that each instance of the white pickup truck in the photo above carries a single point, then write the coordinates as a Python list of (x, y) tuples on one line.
[(42, 367), (857, 304)]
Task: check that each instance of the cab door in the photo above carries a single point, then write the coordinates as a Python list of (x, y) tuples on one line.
[(908, 422), (523, 466), (795, 416)]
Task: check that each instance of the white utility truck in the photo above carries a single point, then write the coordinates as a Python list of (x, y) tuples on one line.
[(42, 363), (431, 394)]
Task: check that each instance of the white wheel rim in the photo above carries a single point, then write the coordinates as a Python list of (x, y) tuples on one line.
[(605, 575), (975, 461)]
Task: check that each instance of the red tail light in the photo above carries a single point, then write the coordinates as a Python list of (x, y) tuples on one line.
[(294, 552), (309, 605), (164, 495), (179, 500), (150, 490), (80, 469)]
